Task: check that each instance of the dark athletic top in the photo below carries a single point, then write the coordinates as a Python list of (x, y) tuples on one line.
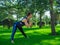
[(22, 23)]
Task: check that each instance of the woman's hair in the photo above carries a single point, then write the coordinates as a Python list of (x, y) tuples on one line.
[(28, 14)]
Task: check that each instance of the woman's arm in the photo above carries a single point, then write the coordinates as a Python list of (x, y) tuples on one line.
[(30, 23), (26, 23)]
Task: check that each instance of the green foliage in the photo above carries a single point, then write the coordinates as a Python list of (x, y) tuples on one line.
[(22, 7)]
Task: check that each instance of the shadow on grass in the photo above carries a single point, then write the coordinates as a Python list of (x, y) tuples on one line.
[(10, 30), (34, 39)]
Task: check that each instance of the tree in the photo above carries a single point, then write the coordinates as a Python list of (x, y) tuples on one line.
[(42, 5), (52, 18)]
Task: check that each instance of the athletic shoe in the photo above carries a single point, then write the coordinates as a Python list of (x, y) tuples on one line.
[(12, 41)]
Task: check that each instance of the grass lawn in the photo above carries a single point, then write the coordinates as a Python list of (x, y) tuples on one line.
[(36, 35)]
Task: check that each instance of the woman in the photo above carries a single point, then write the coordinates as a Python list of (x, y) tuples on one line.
[(24, 21)]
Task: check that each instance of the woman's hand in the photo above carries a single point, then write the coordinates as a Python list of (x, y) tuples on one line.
[(27, 24), (30, 24)]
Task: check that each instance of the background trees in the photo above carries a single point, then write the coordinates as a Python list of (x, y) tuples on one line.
[(15, 9)]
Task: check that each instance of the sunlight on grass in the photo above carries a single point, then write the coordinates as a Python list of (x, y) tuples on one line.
[(52, 42), (38, 36), (5, 33)]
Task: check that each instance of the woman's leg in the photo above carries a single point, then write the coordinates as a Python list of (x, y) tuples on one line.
[(13, 31), (21, 29)]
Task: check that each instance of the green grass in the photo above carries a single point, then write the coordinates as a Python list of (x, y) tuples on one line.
[(37, 36)]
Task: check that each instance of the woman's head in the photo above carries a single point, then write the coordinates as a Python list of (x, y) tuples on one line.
[(29, 15)]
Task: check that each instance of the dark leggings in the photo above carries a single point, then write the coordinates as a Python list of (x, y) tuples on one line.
[(15, 26)]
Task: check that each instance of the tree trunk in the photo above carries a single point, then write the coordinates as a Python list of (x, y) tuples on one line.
[(52, 18), (40, 25)]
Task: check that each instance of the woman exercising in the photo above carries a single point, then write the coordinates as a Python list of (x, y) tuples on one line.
[(24, 21)]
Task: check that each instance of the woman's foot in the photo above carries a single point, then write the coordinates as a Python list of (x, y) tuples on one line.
[(12, 41), (27, 37)]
